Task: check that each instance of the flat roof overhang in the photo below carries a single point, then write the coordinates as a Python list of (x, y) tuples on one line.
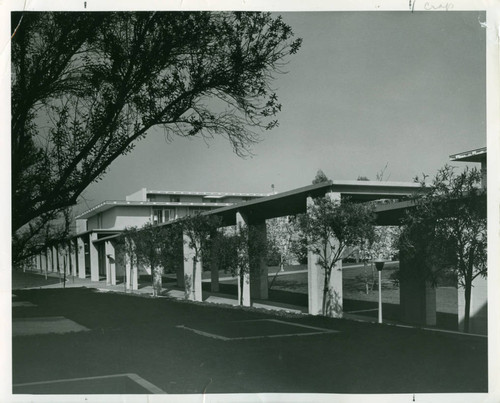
[(295, 201), (394, 213), (204, 194), (477, 155), (109, 204)]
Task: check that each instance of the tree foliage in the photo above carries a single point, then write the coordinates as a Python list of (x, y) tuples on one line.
[(281, 232), (331, 227), (237, 251), (155, 247), (446, 232), (200, 230), (87, 86), (320, 177)]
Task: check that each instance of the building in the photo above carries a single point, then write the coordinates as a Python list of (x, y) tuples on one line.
[(91, 251), (154, 206)]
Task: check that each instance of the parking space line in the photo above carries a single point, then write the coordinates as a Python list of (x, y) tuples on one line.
[(362, 310), (134, 377), (291, 324), (319, 330), (214, 336)]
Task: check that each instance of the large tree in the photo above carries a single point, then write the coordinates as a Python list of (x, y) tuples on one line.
[(445, 234), (87, 86)]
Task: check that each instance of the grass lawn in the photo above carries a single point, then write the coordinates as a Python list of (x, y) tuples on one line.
[(132, 334), (25, 280), (292, 289)]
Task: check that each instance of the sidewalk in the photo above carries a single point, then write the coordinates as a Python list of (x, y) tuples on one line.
[(169, 291)]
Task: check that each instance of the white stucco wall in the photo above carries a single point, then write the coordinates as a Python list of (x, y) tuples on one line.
[(128, 216), (121, 217), (140, 195)]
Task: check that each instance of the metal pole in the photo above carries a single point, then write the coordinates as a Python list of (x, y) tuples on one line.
[(380, 296)]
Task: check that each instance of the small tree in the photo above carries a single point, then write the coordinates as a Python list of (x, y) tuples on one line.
[(446, 231), (331, 227), (320, 177), (237, 251), (280, 233), (126, 250), (198, 229), (225, 249), (171, 253), (149, 241), (384, 244)]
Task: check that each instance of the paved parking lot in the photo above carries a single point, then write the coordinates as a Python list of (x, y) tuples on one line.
[(165, 343)]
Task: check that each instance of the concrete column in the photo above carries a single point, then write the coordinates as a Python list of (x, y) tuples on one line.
[(48, 260), (80, 254), (50, 264), (316, 280), (43, 261), (128, 282), (179, 267), (132, 269), (63, 261), (258, 263), (66, 259), (52, 260), (38, 262), (243, 289), (55, 259), (478, 319), (94, 258), (192, 272), (214, 269), (110, 260), (417, 297), (135, 277), (73, 257)]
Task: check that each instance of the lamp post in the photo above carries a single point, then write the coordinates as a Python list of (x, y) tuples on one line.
[(379, 264)]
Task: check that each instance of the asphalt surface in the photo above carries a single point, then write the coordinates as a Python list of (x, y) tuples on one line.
[(183, 347)]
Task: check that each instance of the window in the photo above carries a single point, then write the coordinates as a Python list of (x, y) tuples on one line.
[(169, 214), (175, 199), (157, 216)]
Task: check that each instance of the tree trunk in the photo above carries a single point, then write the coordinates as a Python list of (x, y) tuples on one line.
[(157, 281), (153, 280), (325, 292), (64, 277), (468, 291), (241, 279)]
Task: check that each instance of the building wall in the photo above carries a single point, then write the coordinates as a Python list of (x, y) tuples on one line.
[(176, 198), (140, 195), (81, 226), (235, 199), (92, 223), (129, 216), (120, 217)]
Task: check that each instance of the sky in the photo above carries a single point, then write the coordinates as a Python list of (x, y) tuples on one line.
[(365, 91)]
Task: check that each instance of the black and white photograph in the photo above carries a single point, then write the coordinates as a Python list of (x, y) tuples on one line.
[(250, 202)]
